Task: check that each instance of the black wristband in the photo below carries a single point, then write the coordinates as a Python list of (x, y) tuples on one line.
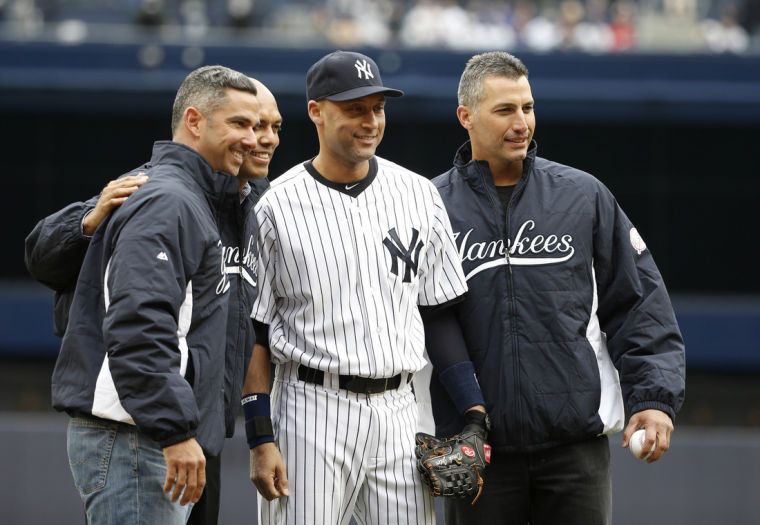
[(258, 423)]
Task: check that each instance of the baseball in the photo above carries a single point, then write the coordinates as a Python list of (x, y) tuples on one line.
[(636, 444)]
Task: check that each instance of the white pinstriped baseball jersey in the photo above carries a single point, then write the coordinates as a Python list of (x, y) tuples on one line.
[(343, 267)]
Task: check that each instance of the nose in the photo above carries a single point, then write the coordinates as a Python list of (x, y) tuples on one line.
[(265, 135), (521, 122), (249, 139), (371, 120)]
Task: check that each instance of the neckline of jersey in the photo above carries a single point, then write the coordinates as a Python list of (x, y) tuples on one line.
[(352, 189)]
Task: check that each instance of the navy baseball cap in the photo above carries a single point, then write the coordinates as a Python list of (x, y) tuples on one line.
[(345, 75)]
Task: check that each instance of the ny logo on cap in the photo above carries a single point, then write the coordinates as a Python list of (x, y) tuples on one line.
[(362, 66)]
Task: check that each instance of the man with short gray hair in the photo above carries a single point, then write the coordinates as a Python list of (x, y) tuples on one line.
[(141, 367), (471, 89), (567, 320)]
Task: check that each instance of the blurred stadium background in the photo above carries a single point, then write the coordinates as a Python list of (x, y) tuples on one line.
[(660, 99)]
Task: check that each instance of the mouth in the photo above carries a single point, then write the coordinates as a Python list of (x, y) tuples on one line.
[(517, 140), (260, 156), (369, 139), (238, 156)]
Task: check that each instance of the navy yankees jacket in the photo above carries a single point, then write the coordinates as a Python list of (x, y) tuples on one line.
[(567, 319), (145, 341), (55, 249)]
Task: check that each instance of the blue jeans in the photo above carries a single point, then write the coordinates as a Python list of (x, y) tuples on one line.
[(120, 474), (569, 484)]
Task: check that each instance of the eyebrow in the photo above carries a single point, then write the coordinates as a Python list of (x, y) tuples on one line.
[(511, 104), (241, 117)]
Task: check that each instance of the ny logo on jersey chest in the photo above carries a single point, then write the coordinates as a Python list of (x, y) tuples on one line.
[(407, 255)]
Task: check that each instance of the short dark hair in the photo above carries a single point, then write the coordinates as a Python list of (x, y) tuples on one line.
[(493, 63), (206, 88)]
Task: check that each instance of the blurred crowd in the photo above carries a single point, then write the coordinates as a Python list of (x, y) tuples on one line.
[(592, 26)]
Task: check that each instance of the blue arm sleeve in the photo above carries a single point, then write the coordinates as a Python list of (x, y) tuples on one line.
[(448, 353)]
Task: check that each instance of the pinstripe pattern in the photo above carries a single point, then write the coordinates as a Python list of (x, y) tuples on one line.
[(342, 270), (346, 454), (327, 289)]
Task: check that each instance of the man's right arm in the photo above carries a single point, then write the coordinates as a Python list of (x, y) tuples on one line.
[(55, 249), (447, 350), (267, 468)]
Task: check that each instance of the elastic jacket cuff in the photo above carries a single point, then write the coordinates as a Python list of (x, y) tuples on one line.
[(175, 438), (654, 405)]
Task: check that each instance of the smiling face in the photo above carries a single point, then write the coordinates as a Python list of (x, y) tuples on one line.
[(226, 134), (501, 126), (349, 131), (256, 164)]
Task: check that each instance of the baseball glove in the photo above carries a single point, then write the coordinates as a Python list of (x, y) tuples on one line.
[(454, 467)]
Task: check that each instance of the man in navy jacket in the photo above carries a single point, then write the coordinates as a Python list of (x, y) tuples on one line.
[(567, 320), (141, 368), (56, 247)]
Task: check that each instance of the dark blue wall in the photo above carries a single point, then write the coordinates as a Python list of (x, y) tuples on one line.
[(721, 334)]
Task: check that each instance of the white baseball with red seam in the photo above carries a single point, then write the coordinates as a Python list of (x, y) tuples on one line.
[(636, 444)]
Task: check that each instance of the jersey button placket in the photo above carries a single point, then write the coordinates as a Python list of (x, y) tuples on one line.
[(372, 296)]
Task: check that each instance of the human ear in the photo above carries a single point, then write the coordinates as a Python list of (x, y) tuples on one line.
[(192, 121), (464, 114), (315, 113)]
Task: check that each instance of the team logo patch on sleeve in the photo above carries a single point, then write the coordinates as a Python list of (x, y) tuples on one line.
[(637, 242)]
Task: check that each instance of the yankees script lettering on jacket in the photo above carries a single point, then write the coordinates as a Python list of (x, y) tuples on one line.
[(567, 315), (150, 307)]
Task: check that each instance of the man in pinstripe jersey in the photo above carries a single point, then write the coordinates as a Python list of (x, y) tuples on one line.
[(351, 248)]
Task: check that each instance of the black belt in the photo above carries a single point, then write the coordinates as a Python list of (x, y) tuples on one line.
[(356, 384)]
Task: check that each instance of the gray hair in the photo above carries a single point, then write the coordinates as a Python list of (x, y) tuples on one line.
[(205, 89), (493, 63)]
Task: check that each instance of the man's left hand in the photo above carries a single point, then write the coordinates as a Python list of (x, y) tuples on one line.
[(658, 426)]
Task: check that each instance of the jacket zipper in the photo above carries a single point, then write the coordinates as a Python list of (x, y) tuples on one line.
[(512, 326), (512, 336), (242, 306)]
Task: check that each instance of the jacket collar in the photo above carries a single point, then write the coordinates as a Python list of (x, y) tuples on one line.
[(213, 183), (464, 162), (258, 186)]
